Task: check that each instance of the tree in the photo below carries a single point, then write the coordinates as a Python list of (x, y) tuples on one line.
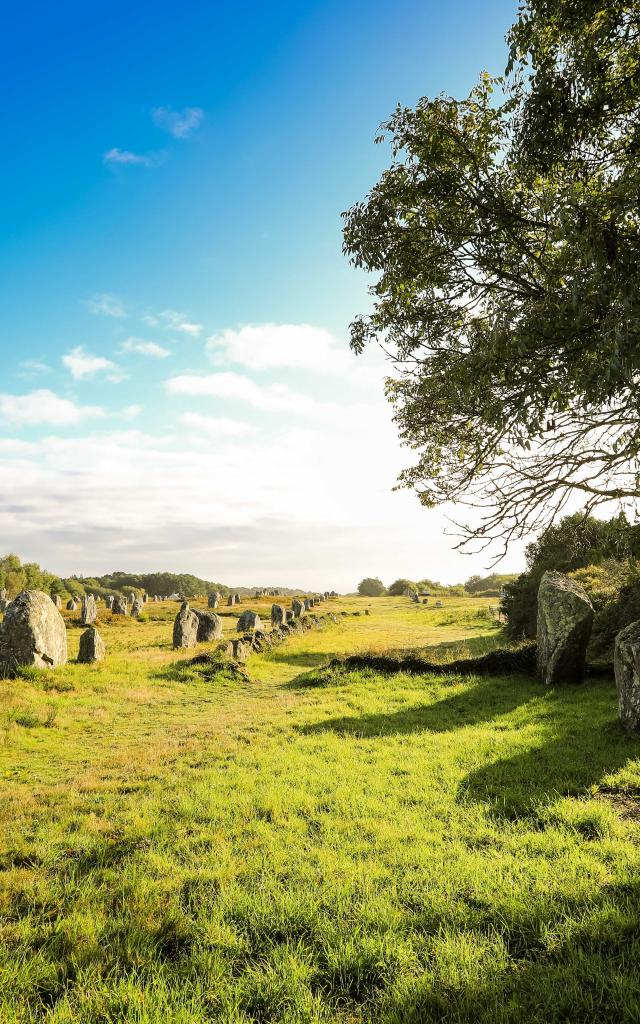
[(398, 587), (371, 587), (574, 543), (506, 240)]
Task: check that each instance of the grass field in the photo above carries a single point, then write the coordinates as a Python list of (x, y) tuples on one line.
[(311, 845)]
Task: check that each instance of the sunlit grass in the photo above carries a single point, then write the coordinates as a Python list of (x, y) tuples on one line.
[(315, 845)]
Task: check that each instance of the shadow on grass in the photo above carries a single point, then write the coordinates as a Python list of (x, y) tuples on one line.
[(585, 742), (481, 703)]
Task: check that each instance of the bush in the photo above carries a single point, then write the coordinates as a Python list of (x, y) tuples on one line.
[(398, 587), (371, 587)]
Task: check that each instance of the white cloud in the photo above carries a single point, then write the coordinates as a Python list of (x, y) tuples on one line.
[(235, 387), (179, 123), (130, 412), (145, 348), (300, 506), (174, 321), (44, 407), (274, 346), (216, 426), (82, 365), (117, 156), (105, 304)]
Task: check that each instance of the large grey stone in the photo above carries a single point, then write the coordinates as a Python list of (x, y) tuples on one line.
[(248, 622), (209, 626), (33, 632), (297, 607), (214, 599), (91, 647), (89, 610), (120, 606), (278, 614), (565, 618), (71, 605), (626, 660), (137, 607), (185, 627)]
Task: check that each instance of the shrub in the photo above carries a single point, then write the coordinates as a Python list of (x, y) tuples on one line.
[(371, 587)]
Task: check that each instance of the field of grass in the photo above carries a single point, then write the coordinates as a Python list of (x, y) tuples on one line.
[(314, 845)]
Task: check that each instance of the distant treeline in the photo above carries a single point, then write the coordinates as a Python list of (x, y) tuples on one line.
[(476, 586), (16, 576)]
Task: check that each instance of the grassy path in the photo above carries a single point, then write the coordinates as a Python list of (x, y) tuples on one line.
[(310, 848)]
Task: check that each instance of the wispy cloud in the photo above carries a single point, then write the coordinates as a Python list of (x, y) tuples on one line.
[(83, 365), (235, 387), (179, 123), (216, 426), (174, 321), (145, 348), (105, 304), (45, 407), (33, 366), (123, 157)]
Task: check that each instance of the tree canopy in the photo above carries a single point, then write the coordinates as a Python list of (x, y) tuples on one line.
[(505, 237), (371, 587)]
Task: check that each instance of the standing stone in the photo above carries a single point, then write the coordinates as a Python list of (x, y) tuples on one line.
[(137, 607), (109, 601), (565, 618), (33, 632), (230, 600), (307, 604), (120, 606), (71, 605), (185, 627), (89, 610), (278, 614), (209, 626), (214, 599), (297, 608), (626, 661), (290, 615), (57, 600), (248, 622), (91, 647)]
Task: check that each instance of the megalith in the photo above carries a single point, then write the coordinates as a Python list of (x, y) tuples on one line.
[(89, 610), (91, 647), (33, 632), (185, 627), (626, 661), (248, 622), (565, 618), (209, 626)]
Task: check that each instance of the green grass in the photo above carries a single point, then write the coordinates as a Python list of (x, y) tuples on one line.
[(313, 845)]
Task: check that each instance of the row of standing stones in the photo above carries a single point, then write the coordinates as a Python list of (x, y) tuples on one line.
[(33, 633), (192, 626)]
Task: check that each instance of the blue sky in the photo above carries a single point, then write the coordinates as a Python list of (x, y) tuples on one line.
[(176, 388)]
